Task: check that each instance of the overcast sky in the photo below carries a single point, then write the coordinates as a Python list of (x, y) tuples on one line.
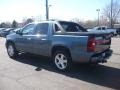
[(60, 9)]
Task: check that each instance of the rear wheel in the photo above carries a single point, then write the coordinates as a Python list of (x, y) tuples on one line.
[(62, 60), (11, 50)]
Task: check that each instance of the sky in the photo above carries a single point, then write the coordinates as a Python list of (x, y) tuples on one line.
[(59, 9)]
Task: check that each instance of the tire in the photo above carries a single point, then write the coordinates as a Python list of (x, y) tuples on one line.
[(62, 60), (11, 50)]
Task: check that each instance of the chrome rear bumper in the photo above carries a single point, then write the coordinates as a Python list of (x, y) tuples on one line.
[(101, 57)]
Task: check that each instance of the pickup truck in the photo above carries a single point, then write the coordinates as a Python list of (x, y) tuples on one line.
[(66, 42), (104, 29)]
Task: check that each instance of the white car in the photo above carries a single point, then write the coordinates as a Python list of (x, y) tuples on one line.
[(103, 29)]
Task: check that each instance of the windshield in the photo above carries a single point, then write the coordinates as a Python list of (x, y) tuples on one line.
[(71, 27)]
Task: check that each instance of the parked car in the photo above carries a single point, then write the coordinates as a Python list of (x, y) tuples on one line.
[(118, 31), (14, 30), (104, 29), (1, 30), (66, 42), (5, 32)]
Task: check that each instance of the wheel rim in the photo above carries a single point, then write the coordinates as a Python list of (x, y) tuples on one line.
[(10, 50), (61, 61)]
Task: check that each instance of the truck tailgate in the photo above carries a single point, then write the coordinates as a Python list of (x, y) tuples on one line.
[(103, 42), (102, 39)]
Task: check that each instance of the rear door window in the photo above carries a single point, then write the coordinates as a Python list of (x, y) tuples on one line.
[(41, 28)]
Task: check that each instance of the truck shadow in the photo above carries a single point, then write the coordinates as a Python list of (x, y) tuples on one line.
[(100, 75)]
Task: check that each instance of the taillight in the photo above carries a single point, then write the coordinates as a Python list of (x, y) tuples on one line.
[(91, 44)]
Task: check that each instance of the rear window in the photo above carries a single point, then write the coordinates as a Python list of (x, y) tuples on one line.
[(72, 27)]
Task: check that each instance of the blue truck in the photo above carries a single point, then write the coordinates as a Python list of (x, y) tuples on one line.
[(66, 42)]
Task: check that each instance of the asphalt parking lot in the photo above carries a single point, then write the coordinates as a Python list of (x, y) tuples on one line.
[(30, 72)]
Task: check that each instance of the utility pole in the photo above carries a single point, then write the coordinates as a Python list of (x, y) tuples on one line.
[(98, 10), (111, 14), (47, 10)]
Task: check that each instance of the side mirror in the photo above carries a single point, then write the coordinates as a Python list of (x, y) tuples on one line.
[(19, 32)]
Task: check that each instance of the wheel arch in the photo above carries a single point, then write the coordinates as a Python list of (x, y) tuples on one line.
[(60, 47), (9, 41)]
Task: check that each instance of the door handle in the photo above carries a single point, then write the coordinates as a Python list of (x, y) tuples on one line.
[(43, 39), (29, 39)]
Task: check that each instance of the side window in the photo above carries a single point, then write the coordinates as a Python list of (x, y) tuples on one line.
[(28, 30), (57, 29), (41, 28), (103, 28), (99, 28)]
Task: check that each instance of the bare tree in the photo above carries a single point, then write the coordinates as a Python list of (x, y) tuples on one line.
[(5, 25), (27, 21), (90, 23), (85, 24), (14, 24), (115, 11)]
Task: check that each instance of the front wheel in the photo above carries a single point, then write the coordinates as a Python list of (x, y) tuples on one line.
[(11, 50), (62, 60)]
